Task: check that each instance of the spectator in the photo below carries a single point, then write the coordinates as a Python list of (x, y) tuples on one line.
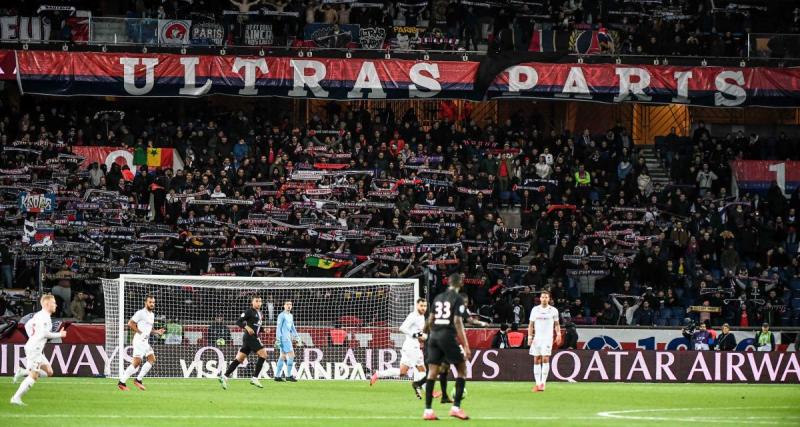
[(700, 338), (218, 333), (726, 341), (78, 307), (765, 340), (570, 336), (500, 340), (626, 311), (645, 315)]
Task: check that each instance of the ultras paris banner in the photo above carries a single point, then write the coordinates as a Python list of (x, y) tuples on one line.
[(172, 75), (193, 361)]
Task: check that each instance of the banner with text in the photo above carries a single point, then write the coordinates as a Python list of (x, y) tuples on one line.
[(130, 74), (759, 175), (190, 361)]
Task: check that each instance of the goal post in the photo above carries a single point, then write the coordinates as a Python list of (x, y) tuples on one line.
[(347, 326)]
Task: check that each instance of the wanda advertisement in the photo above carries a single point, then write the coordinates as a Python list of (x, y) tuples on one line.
[(170, 75)]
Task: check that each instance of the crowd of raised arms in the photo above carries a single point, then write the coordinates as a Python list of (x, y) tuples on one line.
[(356, 193), (676, 27)]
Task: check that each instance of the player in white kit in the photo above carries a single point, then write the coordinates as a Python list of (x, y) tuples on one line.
[(543, 321), (411, 353), (39, 330), (142, 324)]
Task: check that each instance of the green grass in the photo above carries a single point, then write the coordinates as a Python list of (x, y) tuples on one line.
[(198, 402)]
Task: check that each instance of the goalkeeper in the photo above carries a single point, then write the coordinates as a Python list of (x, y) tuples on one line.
[(284, 333)]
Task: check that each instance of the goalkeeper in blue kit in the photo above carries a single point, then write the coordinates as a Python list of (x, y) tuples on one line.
[(285, 332)]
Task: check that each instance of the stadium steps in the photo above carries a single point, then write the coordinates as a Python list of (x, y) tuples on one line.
[(658, 172)]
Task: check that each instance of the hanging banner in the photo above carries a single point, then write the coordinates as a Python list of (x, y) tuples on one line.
[(371, 37), (73, 73), (36, 203), (258, 34), (173, 31), (331, 35), (24, 28), (131, 74), (8, 65), (159, 157), (207, 34), (759, 175)]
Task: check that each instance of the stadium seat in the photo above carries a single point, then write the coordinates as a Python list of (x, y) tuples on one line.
[(515, 339), (338, 336), (350, 321)]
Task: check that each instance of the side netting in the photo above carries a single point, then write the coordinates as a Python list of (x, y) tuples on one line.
[(347, 326)]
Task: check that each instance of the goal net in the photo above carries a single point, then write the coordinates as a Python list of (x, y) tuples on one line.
[(347, 326)]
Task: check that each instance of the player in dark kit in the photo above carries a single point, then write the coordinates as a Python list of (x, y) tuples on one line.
[(446, 326), (250, 321)]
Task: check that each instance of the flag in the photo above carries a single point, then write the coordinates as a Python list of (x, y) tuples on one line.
[(159, 157), (549, 41), (325, 264)]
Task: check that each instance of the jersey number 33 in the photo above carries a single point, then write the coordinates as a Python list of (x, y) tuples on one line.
[(442, 313)]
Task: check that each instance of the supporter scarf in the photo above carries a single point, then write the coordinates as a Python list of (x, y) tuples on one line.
[(541, 181), (23, 150), (331, 166), (257, 231), (518, 267), (625, 209), (159, 236), (424, 159), (574, 272), (355, 270), (590, 258), (384, 194), (221, 201), (390, 259), (473, 191), (540, 189), (447, 261), (436, 182), (480, 144), (18, 171), (611, 233), (473, 281), (435, 171), (424, 225), (627, 223), (260, 184)]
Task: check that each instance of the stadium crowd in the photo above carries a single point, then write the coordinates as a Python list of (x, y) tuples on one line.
[(676, 27), (356, 193)]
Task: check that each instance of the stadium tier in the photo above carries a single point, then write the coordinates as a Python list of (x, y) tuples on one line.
[(343, 213)]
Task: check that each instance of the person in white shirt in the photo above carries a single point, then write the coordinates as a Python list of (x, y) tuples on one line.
[(411, 353), (142, 325), (39, 330), (543, 321)]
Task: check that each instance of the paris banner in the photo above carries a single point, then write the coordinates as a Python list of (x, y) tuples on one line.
[(171, 75)]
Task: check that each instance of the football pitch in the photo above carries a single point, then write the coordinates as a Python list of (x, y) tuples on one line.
[(201, 402)]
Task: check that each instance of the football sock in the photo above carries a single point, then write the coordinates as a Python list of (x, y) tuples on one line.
[(232, 367), (443, 383), (279, 369), (289, 365), (26, 385), (460, 383), (545, 372), (259, 366), (429, 393), (537, 373), (127, 374), (145, 369)]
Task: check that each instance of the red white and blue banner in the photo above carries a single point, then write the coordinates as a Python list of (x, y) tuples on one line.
[(759, 175), (168, 75)]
